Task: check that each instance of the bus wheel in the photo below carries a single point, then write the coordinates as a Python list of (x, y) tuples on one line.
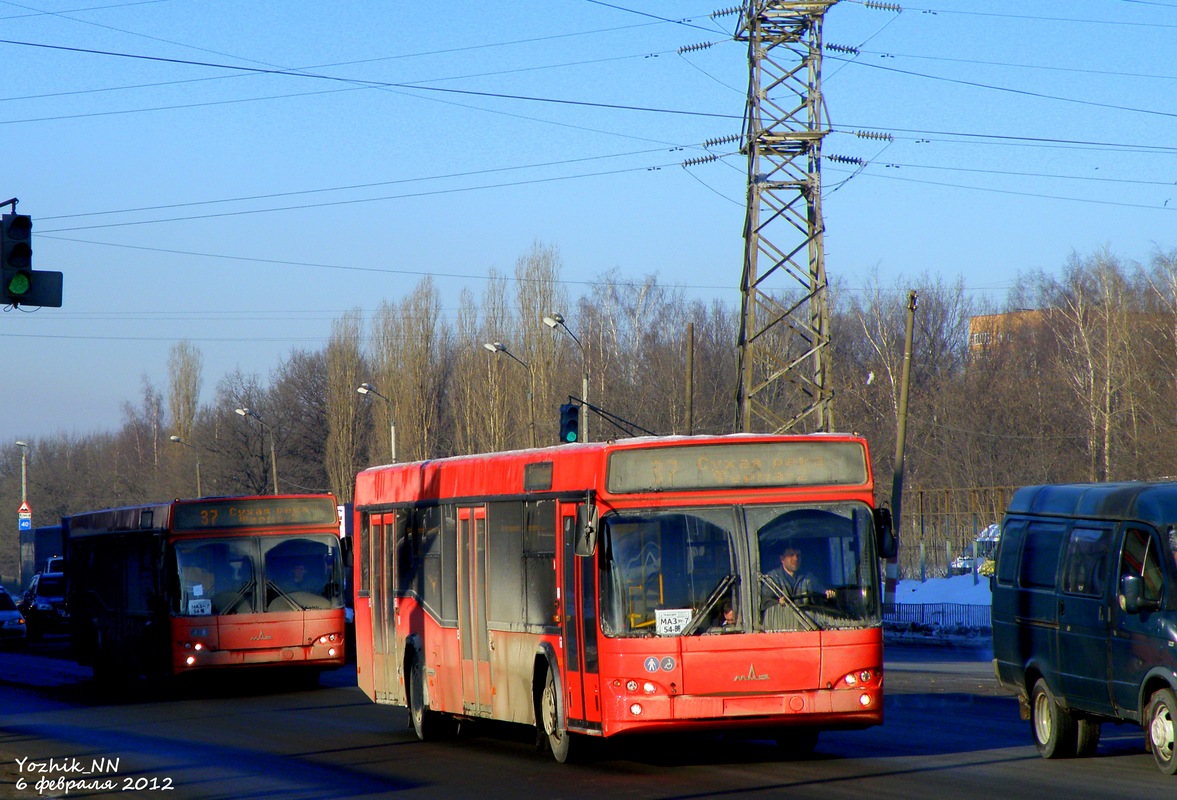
[(425, 723), (558, 738), (1162, 710), (1054, 728)]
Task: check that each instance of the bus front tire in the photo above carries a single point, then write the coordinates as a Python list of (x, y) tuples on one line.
[(426, 723), (1054, 728), (558, 739)]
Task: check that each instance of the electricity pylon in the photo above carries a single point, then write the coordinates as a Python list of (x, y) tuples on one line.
[(784, 339)]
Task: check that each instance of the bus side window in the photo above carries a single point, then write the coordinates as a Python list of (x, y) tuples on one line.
[(365, 556)]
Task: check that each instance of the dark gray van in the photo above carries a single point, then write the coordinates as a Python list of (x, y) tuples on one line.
[(1085, 613)]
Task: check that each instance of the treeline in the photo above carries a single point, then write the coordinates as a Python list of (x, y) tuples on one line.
[(1083, 388)]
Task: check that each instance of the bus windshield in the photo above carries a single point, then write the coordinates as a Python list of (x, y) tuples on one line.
[(258, 574), (748, 569)]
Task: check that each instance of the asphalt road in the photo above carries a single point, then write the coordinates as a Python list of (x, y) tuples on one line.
[(950, 732)]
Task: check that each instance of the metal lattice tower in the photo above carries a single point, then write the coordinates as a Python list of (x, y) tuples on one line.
[(784, 337)]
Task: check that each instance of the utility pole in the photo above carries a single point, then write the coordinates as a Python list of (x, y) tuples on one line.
[(784, 326)]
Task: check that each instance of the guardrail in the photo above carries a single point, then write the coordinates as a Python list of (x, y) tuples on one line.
[(938, 615)]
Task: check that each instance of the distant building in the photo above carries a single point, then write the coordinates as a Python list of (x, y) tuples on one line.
[(994, 330)]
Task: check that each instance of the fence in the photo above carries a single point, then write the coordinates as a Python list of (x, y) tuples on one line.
[(940, 524), (937, 615)]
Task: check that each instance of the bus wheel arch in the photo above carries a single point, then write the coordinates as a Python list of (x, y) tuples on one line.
[(550, 719), (427, 724)]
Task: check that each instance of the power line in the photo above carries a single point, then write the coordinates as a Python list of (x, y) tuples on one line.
[(1007, 89), (362, 82)]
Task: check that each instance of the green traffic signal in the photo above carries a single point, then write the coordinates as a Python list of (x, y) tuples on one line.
[(569, 423), (16, 255), (18, 285)]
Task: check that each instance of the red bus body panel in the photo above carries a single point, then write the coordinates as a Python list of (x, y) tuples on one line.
[(756, 680)]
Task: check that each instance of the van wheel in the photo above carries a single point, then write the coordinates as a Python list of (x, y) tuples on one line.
[(1162, 710), (1055, 733), (1087, 739), (559, 739)]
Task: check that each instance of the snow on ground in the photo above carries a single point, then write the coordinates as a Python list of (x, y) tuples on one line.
[(956, 589)]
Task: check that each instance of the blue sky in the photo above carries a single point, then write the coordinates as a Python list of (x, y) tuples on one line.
[(238, 174)]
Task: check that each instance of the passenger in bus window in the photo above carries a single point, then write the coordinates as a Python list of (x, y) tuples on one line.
[(727, 616), (796, 584)]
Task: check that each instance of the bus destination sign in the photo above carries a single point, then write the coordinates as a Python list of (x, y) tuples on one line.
[(255, 512), (737, 465)]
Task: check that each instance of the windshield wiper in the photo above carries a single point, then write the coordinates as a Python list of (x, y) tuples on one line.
[(808, 621), (271, 585), (713, 598), (237, 598)]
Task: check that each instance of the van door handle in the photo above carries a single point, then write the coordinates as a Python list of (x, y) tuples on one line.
[(1062, 607)]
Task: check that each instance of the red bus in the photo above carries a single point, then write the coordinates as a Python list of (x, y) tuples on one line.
[(212, 583), (583, 588)]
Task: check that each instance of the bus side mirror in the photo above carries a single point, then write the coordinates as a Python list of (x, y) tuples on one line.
[(345, 549), (886, 542), (586, 530)]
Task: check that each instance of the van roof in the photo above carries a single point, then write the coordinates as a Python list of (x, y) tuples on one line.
[(1147, 501)]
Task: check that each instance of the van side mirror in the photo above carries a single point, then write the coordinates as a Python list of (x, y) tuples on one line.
[(586, 530), (1132, 595), (886, 542)]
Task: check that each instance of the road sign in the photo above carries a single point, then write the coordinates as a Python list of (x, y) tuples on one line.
[(25, 524), (24, 508)]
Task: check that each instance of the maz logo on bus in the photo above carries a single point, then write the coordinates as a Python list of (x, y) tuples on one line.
[(751, 676), (262, 636)]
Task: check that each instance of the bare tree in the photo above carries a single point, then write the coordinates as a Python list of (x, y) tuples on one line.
[(538, 294), (409, 344), (344, 370), (185, 367)]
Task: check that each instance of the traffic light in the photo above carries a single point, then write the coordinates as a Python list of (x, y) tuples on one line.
[(20, 284), (16, 256), (569, 423)]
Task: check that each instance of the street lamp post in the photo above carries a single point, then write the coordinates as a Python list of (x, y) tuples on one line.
[(248, 412), (367, 389), (499, 347), (557, 321), (24, 472), (193, 448)]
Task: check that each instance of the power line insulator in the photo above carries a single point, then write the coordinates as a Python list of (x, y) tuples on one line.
[(690, 48), (842, 48)]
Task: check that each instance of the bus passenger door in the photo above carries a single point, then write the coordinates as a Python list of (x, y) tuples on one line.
[(578, 621), (395, 531), (377, 556), (475, 644)]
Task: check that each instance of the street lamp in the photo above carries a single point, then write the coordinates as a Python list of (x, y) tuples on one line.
[(193, 448), (24, 471), (499, 347), (248, 412), (367, 389), (557, 321)]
